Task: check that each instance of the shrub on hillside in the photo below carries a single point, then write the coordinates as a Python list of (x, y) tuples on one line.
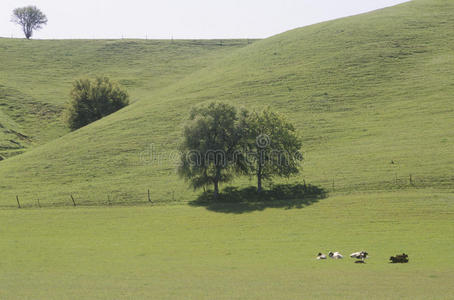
[(92, 100)]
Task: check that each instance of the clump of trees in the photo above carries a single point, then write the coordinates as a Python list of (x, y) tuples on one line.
[(92, 100), (221, 142), (30, 18)]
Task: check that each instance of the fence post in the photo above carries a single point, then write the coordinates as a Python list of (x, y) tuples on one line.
[(72, 198), (39, 204), (149, 196), (18, 203)]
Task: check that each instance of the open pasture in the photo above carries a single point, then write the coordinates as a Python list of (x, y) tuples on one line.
[(179, 251)]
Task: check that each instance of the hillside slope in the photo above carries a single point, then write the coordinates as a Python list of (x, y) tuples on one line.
[(36, 77), (370, 94)]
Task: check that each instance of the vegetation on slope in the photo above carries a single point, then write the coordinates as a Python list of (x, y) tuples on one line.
[(36, 77), (371, 94), (92, 100)]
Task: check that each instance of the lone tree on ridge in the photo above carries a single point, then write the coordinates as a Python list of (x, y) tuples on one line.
[(30, 18)]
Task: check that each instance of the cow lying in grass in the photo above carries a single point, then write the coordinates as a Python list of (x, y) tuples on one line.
[(335, 255), (362, 255), (401, 258)]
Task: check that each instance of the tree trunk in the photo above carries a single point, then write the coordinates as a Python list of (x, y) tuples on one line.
[(27, 32), (216, 189), (259, 177), (259, 183), (216, 183)]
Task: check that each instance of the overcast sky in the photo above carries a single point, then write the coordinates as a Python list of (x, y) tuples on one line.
[(181, 19)]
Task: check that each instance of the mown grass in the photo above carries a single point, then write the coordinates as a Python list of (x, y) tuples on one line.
[(184, 252)]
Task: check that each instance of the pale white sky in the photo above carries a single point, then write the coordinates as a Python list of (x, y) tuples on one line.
[(181, 19)]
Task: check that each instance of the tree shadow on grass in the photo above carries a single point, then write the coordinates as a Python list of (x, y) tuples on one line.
[(238, 201)]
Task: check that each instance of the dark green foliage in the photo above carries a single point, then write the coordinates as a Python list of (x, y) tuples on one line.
[(93, 100), (30, 18), (219, 143), (210, 141), (271, 144)]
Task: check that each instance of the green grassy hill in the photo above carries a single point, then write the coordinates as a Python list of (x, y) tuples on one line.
[(363, 91), (36, 77)]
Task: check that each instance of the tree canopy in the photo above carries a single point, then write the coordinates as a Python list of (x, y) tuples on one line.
[(210, 141), (271, 144), (30, 18), (220, 142), (92, 100)]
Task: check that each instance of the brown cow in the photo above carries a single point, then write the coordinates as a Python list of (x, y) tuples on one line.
[(400, 258)]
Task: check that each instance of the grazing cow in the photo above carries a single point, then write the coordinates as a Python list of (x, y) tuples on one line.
[(321, 256), (335, 255), (360, 255), (402, 258)]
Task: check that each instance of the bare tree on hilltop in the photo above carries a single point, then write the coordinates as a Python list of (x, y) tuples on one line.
[(30, 18)]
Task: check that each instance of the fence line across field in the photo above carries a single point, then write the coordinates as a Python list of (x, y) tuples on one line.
[(146, 37), (120, 198)]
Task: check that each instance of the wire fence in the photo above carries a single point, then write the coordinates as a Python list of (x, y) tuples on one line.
[(148, 197), (196, 41)]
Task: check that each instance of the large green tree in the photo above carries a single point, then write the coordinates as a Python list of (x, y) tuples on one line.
[(30, 18), (210, 144), (271, 145), (92, 100)]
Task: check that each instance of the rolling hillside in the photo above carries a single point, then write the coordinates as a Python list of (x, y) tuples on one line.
[(36, 77), (371, 96)]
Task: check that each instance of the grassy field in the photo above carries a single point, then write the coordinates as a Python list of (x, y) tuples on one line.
[(371, 96), (36, 77), (175, 251), (363, 91)]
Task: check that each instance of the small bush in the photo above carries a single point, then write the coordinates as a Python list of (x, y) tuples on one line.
[(92, 100)]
